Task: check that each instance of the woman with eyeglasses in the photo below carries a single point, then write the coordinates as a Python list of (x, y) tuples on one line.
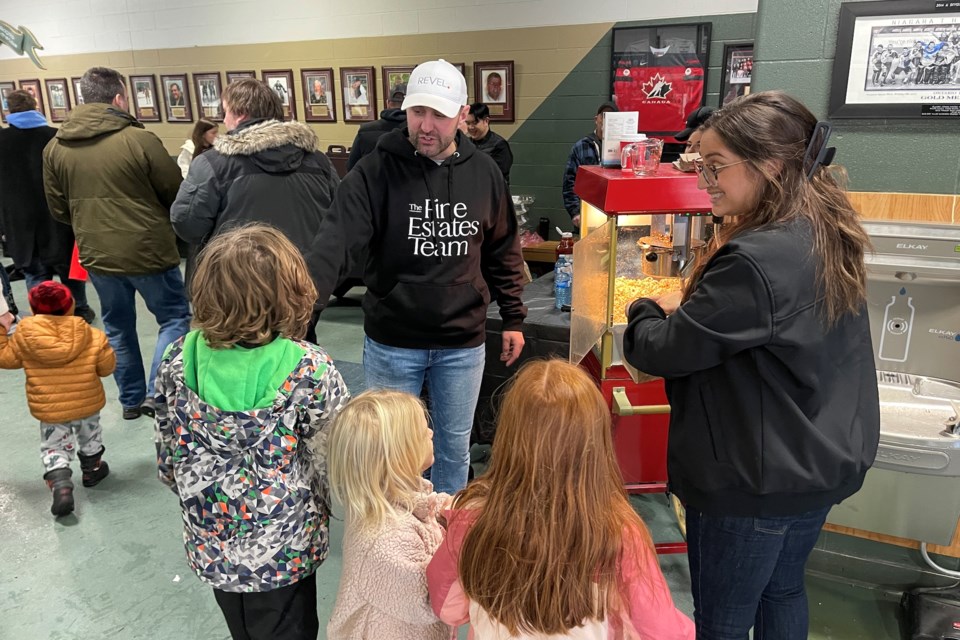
[(769, 368)]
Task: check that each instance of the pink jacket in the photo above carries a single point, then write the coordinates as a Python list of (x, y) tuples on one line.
[(652, 613), (383, 586)]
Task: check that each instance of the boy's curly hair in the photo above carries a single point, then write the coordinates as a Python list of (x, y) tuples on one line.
[(251, 285)]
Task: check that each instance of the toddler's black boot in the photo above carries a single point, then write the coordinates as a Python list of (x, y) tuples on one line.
[(59, 482), (94, 469)]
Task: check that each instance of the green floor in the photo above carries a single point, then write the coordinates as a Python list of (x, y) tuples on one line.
[(116, 569)]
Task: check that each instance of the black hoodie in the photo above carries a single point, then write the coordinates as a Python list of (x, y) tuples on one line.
[(435, 236)]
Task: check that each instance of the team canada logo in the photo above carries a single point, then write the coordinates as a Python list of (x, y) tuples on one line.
[(657, 87)]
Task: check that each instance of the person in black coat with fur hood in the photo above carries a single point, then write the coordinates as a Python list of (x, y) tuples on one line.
[(264, 170)]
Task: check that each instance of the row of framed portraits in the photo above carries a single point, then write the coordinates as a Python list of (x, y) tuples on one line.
[(171, 101)]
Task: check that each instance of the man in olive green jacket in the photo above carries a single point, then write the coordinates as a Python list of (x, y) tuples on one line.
[(114, 182)]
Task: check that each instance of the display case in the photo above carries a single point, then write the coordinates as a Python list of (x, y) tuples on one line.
[(640, 235)]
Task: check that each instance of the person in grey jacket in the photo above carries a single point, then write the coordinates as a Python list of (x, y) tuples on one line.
[(264, 170)]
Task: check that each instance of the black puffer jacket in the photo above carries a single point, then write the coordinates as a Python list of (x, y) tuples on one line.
[(263, 171)]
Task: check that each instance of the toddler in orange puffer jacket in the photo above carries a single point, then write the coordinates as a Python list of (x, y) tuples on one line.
[(64, 359)]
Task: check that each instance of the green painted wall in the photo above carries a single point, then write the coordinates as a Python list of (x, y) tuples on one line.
[(541, 145), (795, 50)]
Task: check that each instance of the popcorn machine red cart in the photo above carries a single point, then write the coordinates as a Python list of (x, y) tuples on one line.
[(639, 236)]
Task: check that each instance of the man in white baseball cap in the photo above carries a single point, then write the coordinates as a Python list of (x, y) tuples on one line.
[(430, 219), (435, 86)]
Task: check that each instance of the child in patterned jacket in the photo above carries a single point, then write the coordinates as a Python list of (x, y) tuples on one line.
[(243, 408), (380, 446)]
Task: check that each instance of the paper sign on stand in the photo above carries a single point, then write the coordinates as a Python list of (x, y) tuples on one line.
[(616, 125)]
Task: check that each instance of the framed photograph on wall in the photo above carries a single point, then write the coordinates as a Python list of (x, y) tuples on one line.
[(319, 104), (493, 86), (394, 79), (661, 73), (208, 89), (33, 88), (59, 96), (897, 59), (281, 81), (359, 94), (5, 88), (145, 103), (176, 95), (240, 75), (737, 70), (77, 93)]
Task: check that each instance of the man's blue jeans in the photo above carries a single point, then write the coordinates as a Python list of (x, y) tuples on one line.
[(453, 377), (166, 299), (749, 572)]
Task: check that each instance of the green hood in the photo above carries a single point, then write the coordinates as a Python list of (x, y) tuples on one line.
[(237, 378), (93, 120)]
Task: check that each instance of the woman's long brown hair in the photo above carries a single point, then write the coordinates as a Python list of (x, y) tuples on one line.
[(200, 129), (771, 128), (544, 554)]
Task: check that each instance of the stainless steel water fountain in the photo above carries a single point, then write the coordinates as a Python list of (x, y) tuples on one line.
[(913, 491)]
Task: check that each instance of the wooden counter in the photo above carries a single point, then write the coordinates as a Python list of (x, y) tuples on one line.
[(545, 251)]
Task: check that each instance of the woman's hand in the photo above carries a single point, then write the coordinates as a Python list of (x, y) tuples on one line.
[(7, 320), (669, 302)]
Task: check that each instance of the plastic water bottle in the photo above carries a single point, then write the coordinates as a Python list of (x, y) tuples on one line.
[(563, 271), (563, 282)]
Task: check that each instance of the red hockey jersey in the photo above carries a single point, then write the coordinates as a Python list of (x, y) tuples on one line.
[(663, 87)]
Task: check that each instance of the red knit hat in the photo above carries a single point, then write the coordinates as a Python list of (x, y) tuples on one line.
[(50, 298)]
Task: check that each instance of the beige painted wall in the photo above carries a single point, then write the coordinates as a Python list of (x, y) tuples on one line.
[(542, 58)]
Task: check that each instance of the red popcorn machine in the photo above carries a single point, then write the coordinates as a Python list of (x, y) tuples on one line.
[(640, 235)]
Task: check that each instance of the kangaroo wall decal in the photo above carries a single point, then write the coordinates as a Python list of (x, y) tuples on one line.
[(22, 41)]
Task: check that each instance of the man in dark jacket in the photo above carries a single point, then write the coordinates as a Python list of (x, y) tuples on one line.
[(114, 182), (38, 244), (393, 117), (493, 144), (264, 170), (442, 238)]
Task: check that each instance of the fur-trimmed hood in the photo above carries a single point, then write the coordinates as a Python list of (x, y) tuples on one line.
[(264, 135)]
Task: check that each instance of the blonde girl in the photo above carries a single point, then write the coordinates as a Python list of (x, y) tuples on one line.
[(241, 400), (546, 544), (379, 448)]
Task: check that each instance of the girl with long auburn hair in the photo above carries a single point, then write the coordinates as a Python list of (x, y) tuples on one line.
[(769, 367), (546, 544)]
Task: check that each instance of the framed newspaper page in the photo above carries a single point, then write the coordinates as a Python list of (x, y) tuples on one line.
[(897, 59)]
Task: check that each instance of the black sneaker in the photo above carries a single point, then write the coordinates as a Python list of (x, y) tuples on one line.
[(86, 313), (131, 413), (148, 408)]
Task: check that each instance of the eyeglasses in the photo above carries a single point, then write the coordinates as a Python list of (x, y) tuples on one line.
[(710, 172)]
